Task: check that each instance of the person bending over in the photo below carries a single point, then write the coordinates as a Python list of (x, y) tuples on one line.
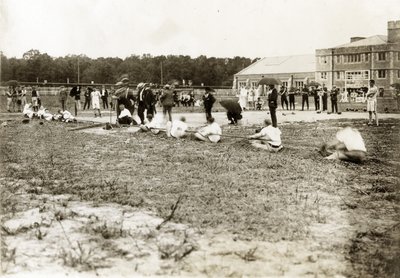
[(211, 132), (348, 145), (177, 129), (268, 138)]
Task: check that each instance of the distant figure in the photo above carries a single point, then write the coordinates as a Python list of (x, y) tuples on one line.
[(124, 117), (268, 138), (273, 104), (344, 96), (304, 98), (208, 101), (324, 98), (34, 99), (348, 145), (283, 93), (314, 93), (9, 95), (63, 96), (372, 103), (23, 97), (292, 94), (167, 101), (243, 97), (259, 103), (146, 100), (96, 95), (212, 132), (104, 97), (334, 98), (88, 96)]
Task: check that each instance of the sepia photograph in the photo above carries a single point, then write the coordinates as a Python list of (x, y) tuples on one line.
[(199, 138)]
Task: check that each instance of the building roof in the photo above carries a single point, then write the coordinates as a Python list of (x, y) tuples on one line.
[(374, 40), (283, 64)]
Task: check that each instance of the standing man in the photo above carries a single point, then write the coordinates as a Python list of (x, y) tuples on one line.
[(35, 96), (104, 97), (96, 95), (78, 98), (146, 100), (208, 100), (87, 95), (314, 93), (372, 103), (63, 95), (292, 94), (304, 96), (9, 98), (23, 97), (272, 96), (283, 93), (167, 101), (334, 96), (324, 98)]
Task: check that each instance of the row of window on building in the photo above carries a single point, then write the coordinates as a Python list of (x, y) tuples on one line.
[(341, 75), (356, 58)]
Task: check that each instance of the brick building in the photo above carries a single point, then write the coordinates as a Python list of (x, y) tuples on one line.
[(298, 67), (351, 65)]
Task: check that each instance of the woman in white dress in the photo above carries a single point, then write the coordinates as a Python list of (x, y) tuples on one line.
[(243, 97), (96, 95)]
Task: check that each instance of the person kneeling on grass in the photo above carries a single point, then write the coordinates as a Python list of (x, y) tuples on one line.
[(124, 117), (210, 132), (177, 129), (268, 138), (64, 116), (348, 145), (28, 111), (152, 124)]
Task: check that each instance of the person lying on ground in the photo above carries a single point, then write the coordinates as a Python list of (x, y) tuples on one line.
[(125, 116), (348, 145), (44, 113), (268, 138), (177, 129), (64, 116), (152, 124), (28, 111), (211, 132)]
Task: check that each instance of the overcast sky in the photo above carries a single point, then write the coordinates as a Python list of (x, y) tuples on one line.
[(221, 28)]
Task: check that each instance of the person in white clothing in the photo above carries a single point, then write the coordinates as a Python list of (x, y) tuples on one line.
[(243, 97), (372, 101), (211, 132), (124, 117), (177, 129), (152, 124), (28, 111), (96, 95), (268, 138), (348, 145)]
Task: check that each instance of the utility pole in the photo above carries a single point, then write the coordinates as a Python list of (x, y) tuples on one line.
[(78, 69), (1, 56), (162, 81)]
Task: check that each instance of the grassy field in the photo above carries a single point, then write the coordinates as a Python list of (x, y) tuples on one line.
[(292, 196)]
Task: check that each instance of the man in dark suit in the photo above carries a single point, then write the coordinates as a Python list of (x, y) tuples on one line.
[(304, 94), (208, 100), (334, 94), (273, 104), (146, 100)]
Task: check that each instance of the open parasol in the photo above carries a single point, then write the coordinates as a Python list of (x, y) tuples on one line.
[(269, 81)]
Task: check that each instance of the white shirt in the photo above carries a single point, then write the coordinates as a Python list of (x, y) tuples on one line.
[(212, 131), (178, 129), (124, 113), (352, 139), (272, 135), (372, 93), (96, 96)]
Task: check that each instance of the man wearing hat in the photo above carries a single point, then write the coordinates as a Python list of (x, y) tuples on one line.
[(208, 100), (167, 101)]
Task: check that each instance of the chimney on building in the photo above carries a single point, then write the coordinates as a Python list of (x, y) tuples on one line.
[(394, 31), (354, 39)]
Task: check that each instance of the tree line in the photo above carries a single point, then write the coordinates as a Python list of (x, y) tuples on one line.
[(37, 67)]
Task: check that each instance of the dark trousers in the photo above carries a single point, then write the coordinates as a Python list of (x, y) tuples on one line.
[(334, 106), (167, 109), (291, 102), (141, 109), (63, 104), (105, 102), (272, 111), (233, 117), (325, 102), (284, 101), (208, 112), (316, 103), (87, 102), (304, 100), (125, 120)]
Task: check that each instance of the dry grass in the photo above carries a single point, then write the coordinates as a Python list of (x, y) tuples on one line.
[(227, 186)]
